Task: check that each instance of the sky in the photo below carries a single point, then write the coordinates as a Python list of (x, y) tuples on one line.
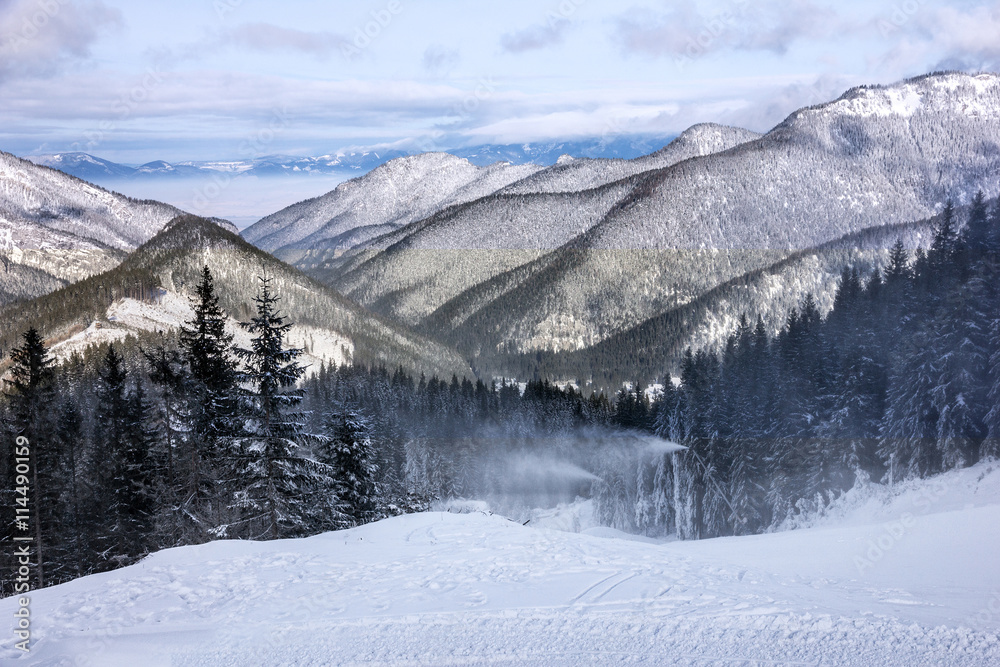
[(234, 79)]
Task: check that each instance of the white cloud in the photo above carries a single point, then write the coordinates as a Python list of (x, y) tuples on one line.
[(684, 31), (922, 36), (535, 37), (266, 37), (39, 36)]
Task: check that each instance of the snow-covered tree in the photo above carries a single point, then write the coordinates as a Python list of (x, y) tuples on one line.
[(349, 451), (274, 479), (30, 380)]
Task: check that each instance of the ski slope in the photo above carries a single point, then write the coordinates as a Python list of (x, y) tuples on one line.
[(477, 589)]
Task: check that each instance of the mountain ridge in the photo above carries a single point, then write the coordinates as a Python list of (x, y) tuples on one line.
[(56, 228), (688, 227), (163, 271)]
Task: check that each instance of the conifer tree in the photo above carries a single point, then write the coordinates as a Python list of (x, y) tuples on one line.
[(945, 245), (31, 378), (275, 478), (211, 392), (898, 268), (977, 232), (349, 451), (208, 351), (68, 437), (122, 506)]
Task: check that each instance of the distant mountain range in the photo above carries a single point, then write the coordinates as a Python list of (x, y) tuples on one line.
[(92, 168), (576, 253), (532, 260)]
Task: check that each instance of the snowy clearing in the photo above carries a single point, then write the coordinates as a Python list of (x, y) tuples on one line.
[(127, 316), (475, 589)]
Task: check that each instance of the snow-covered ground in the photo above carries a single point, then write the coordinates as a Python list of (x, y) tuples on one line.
[(907, 576)]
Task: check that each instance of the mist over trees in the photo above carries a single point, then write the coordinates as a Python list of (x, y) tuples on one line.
[(182, 439)]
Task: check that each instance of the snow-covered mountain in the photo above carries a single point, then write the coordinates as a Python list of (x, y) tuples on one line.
[(618, 146), (150, 290), (82, 165), (360, 160), (427, 263), (573, 174), (55, 228), (397, 193), (567, 270), (86, 166), (887, 577), (654, 346)]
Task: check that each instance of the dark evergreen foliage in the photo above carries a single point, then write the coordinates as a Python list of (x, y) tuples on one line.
[(901, 379)]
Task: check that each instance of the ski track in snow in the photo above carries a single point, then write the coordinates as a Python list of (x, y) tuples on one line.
[(476, 589)]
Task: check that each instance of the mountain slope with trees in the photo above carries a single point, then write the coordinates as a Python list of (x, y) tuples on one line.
[(198, 438), (56, 229), (169, 266), (877, 156), (410, 272), (398, 192)]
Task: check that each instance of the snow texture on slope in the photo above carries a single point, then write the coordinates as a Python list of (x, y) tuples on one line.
[(876, 156), (398, 192), (473, 589)]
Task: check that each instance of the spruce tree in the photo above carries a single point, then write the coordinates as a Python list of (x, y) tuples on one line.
[(349, 451), (977, 231), (210, 387), (68, 437), (207, 348), (899, 260), (945, 246), (274, 477), (31, 379), (123, 504)]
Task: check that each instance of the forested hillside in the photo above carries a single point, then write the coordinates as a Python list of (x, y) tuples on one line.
[(396, 193), (56, 229), (408, 273), (169, 265), (613, 257), (198, 438), (654, 348)]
